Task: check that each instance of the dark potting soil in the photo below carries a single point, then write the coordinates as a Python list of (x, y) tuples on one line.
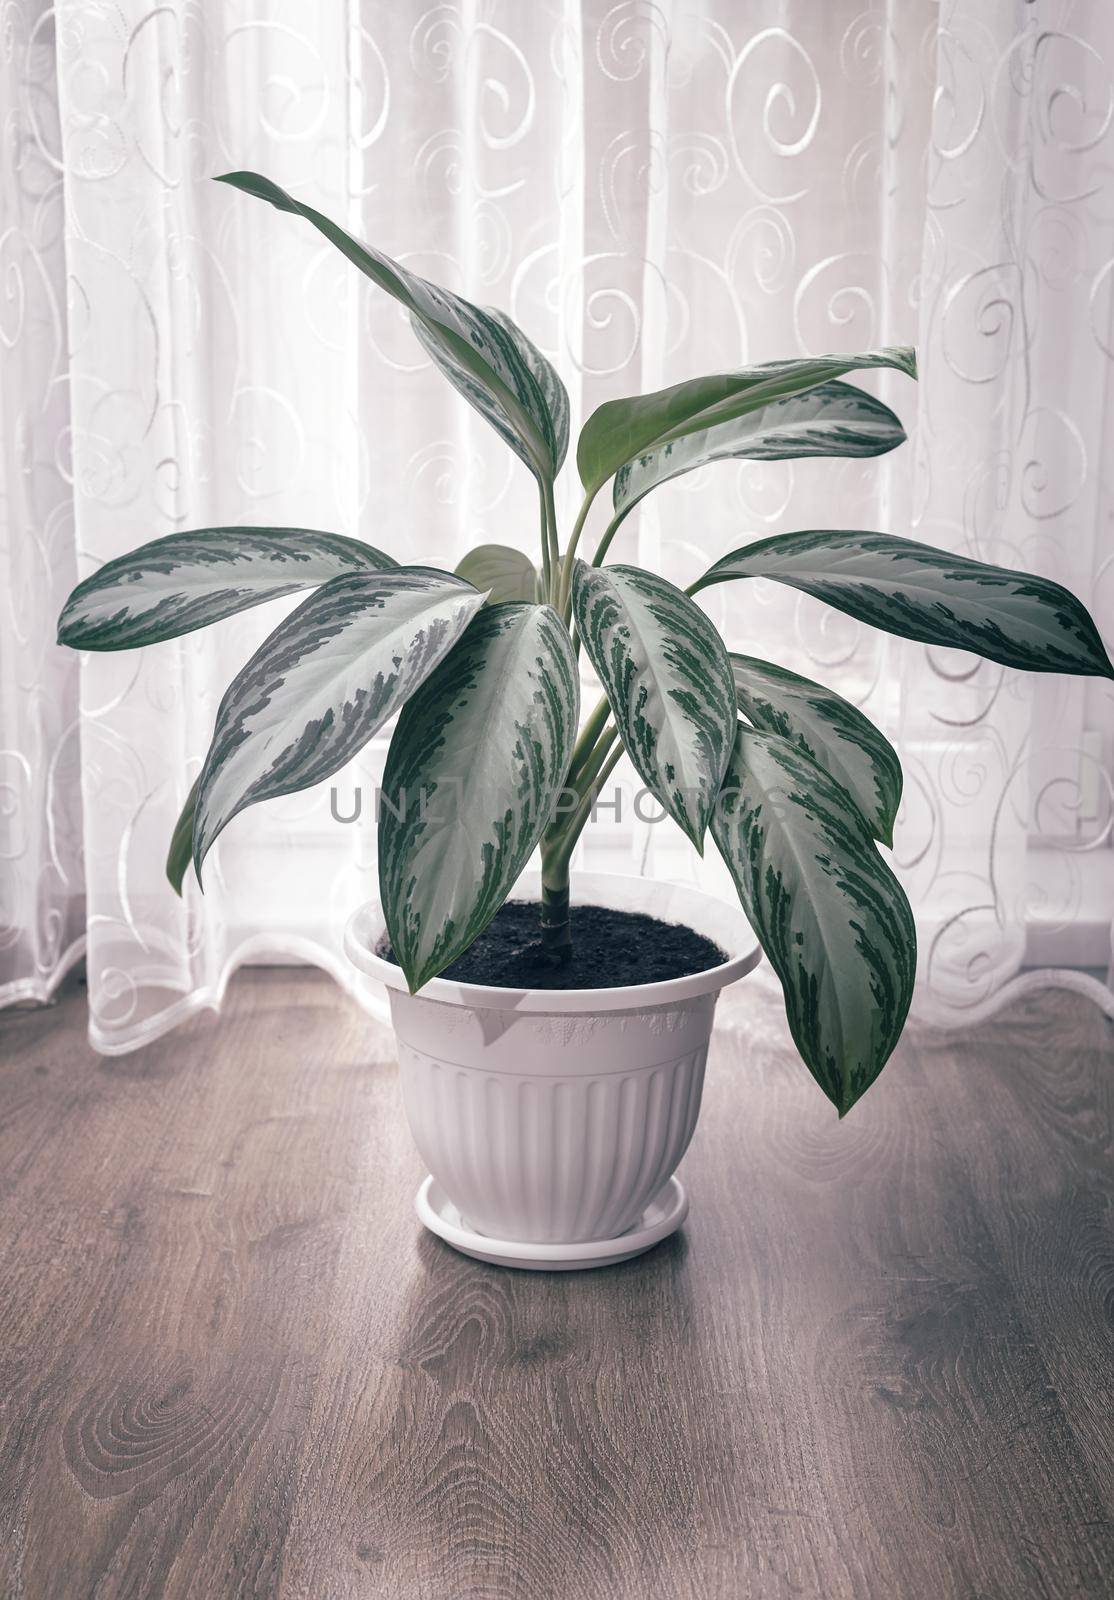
[(611, 950)]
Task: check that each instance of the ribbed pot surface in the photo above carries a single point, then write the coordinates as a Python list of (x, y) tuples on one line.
[(554, 1117)]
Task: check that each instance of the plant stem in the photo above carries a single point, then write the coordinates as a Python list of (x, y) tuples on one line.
[(590, 732), (544, 542), (589, 752), (570, 555), (562, 834), (556, 925), (562, 845), (552, 548), (608, 534), (590, 770)]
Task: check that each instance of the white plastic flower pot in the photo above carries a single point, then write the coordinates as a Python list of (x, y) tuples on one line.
[(552, 1118)]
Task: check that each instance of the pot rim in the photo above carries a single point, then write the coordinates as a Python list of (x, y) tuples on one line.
[(716, 919)]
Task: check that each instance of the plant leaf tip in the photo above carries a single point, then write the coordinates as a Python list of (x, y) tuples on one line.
[(247, 183), (413, 975)]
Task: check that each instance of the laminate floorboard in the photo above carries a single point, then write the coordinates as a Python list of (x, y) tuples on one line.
[(877, 1362)]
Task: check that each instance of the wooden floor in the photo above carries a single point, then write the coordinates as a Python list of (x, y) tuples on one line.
[(877, 1362)]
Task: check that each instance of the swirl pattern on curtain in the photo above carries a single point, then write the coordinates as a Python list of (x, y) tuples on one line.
[(652, 190)]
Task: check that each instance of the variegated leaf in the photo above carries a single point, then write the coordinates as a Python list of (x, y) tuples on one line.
[(322, 684), (483, 354), (921, 593), (830, 730), (180, 854), (827, 910), (187, 580), (834, 419), (502, 572), (622, 430), (475, 767), (665, 671), (550, 400)]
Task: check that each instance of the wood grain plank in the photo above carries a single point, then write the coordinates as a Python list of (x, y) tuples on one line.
[(1046, 1103), (877, 1361)]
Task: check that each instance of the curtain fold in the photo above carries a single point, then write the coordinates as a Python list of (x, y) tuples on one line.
[(42, 895), (651, 190), (1007, 833)]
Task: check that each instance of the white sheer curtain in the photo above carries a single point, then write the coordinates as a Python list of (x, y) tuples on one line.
[(652, 190)]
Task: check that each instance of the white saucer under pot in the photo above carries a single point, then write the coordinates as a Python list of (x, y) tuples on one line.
[(663, 1216), (557, 1117)]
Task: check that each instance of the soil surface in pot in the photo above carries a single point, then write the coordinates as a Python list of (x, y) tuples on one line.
[(611, 950)]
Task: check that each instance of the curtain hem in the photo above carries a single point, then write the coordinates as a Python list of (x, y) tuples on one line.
[(1023, 983), (108, 1041), (41, 990)]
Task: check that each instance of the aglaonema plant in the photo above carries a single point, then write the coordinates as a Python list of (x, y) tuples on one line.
[(795, 785)]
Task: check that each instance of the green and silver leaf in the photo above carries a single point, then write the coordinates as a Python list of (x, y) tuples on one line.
[(665, 672), (188, 580), (833, 419), (829, 729), (322, 684), (180, 854), (829, 913), (550, 398), (484, 355), (502, 572), (622, 430), (475, 767), (922, 593)]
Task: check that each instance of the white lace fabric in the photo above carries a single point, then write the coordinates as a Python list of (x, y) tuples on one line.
[(652, 191)]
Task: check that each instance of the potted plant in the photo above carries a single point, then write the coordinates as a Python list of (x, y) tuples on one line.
[(552, 1054)]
